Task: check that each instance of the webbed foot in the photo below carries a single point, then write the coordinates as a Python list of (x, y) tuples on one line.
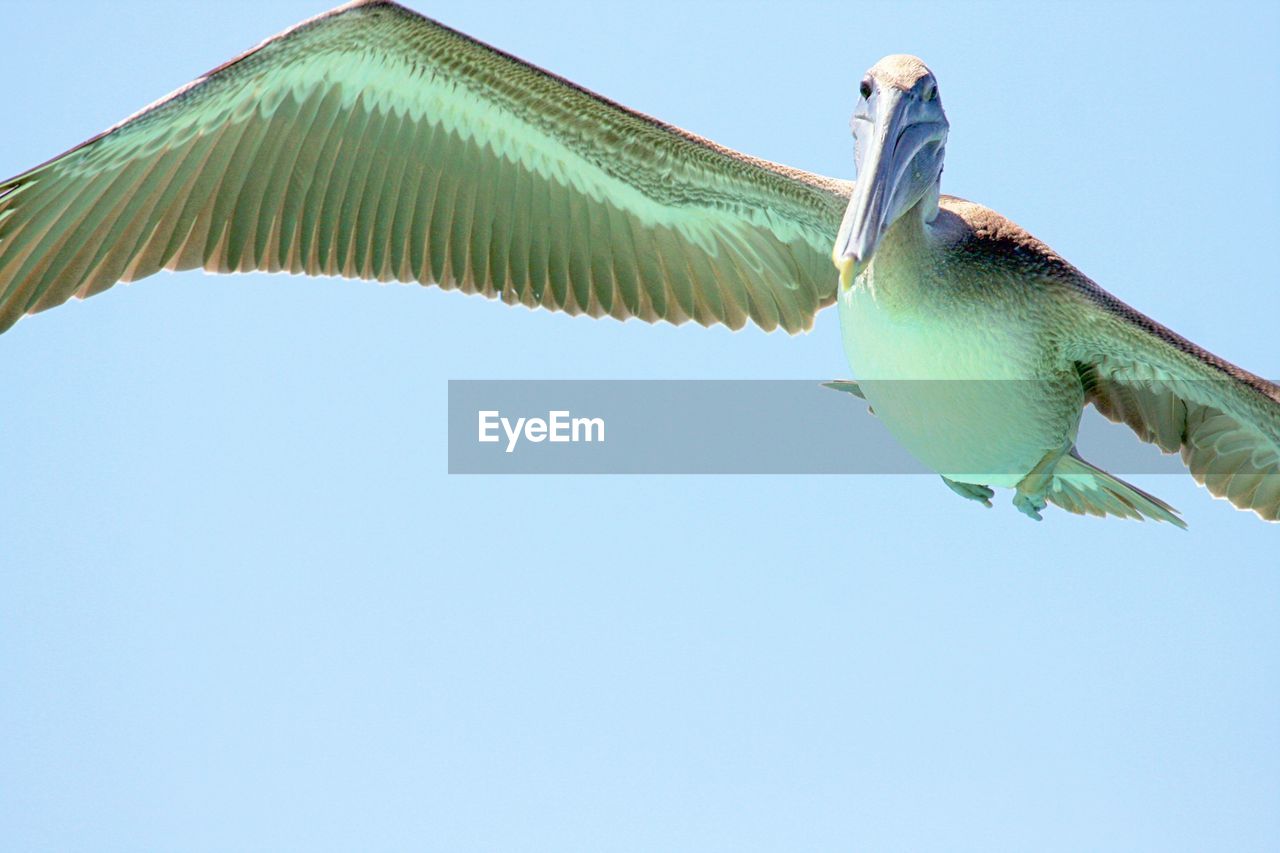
[(1033, 489), (848, 387), (1029, 505), (971, 491), (845, 385)]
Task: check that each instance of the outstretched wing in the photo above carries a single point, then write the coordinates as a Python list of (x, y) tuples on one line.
[(374, 143), (1224, 420)]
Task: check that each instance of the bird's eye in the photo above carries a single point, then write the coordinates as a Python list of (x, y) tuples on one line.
[(931, 92), (865, 89)]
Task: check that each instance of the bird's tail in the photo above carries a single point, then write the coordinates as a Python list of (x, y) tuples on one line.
[(1085, 489)]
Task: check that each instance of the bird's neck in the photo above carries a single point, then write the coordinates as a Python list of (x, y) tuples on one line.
[(899, 267)]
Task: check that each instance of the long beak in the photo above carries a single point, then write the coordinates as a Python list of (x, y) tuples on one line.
[(882, 166)]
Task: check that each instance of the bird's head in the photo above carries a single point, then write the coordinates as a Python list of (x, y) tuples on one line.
[(900, 131)]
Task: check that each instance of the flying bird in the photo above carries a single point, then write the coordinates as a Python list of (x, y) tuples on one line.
[(371, 142)]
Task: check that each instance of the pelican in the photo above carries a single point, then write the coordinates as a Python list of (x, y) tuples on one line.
[(373, 143)]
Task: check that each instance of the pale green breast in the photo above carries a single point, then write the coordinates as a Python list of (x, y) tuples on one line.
[(962, 383)]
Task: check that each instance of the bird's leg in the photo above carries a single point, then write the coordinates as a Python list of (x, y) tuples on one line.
[(1032, 489), (972, 491)]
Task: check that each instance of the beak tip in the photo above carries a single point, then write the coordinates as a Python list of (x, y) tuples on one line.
[(849, 266)]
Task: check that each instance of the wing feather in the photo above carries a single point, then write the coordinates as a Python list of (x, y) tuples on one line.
[(1224, 421), (374, 143)]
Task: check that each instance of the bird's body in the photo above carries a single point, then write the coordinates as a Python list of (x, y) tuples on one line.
[(927, 333), (373, 143)]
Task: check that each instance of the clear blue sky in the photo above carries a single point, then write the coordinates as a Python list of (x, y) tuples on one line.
[(242, 605)]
